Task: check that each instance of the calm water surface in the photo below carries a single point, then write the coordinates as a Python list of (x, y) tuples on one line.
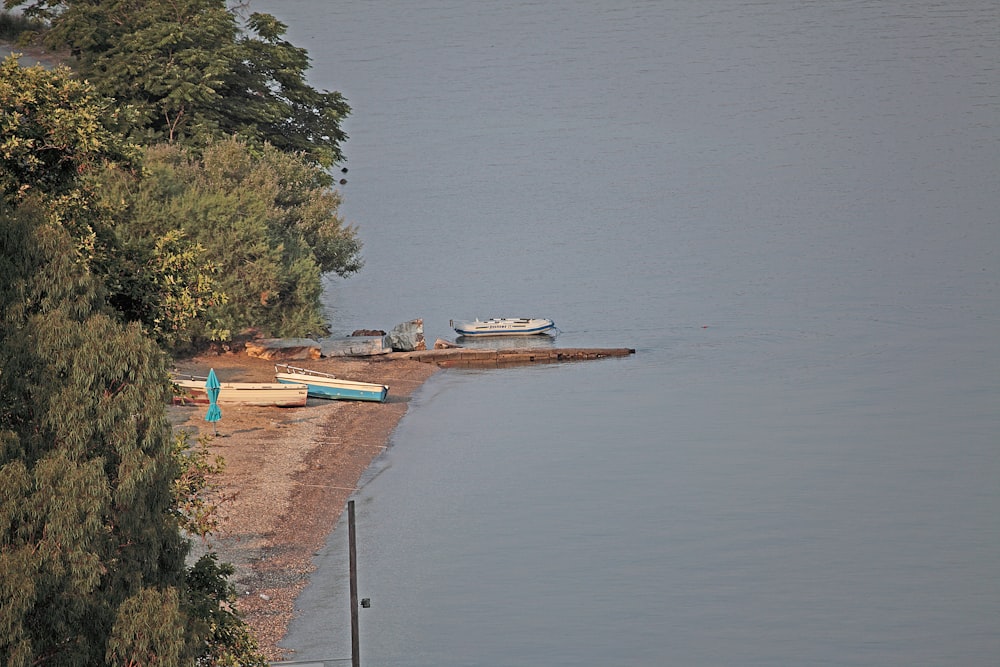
[(790, 209)]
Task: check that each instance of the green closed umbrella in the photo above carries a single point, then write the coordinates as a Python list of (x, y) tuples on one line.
[(212, 388)]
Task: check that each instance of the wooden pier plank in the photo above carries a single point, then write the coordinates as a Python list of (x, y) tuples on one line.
[(473, 357)]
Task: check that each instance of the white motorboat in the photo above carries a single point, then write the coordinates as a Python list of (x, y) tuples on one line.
[(504, 326)]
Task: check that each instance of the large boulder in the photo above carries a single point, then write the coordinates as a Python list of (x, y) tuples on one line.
[(408, 336)]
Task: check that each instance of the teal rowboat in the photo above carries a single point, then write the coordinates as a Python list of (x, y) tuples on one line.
[(325, 385)]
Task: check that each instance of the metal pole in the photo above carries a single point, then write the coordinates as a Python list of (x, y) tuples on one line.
[(355, 634)]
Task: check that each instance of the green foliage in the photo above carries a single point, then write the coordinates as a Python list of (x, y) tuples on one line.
[(267, 93), (54, 130), (168, 58), (57, 140), (195, 511), (103, 262), (268, 226), (58, 148), (149, 630), (165, 282), (211, 600), (194, 74), (86, 522), (91, 555), (239, 246)]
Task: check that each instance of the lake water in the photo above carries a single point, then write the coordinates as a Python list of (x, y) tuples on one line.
[(792, 211)]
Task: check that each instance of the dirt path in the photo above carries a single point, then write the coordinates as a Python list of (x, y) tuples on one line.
[(288, 474)]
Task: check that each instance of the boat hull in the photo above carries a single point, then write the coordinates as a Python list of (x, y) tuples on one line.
[(504, 326), (337, 389), (245, 393)]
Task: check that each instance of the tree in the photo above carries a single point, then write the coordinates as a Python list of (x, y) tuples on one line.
[(58, 141), (267, 91), (56, 132), (92, 565), (185, 74), (167, 283), (42, 150), (193, 75), (266, 221), (86, 533)]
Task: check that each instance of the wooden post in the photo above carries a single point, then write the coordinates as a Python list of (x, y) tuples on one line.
[(355, 634)]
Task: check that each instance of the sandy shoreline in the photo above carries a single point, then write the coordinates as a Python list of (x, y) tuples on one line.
[(288, 474)]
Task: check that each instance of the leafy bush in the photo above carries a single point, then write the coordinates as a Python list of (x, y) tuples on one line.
[(252, 229)]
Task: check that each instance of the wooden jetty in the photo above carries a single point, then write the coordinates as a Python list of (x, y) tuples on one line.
[(479, 357)]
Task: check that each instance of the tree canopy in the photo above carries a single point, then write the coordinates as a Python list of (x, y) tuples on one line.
[(194, 72), (223, 232), (266, 223), (171, 188), (43, 149), (92, 561), (85, 467), (58, 150)]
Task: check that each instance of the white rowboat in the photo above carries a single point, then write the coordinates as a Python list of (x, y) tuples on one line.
[(244, 393)]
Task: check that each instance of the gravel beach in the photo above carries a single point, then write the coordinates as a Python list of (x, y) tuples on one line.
[(288, 473)]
